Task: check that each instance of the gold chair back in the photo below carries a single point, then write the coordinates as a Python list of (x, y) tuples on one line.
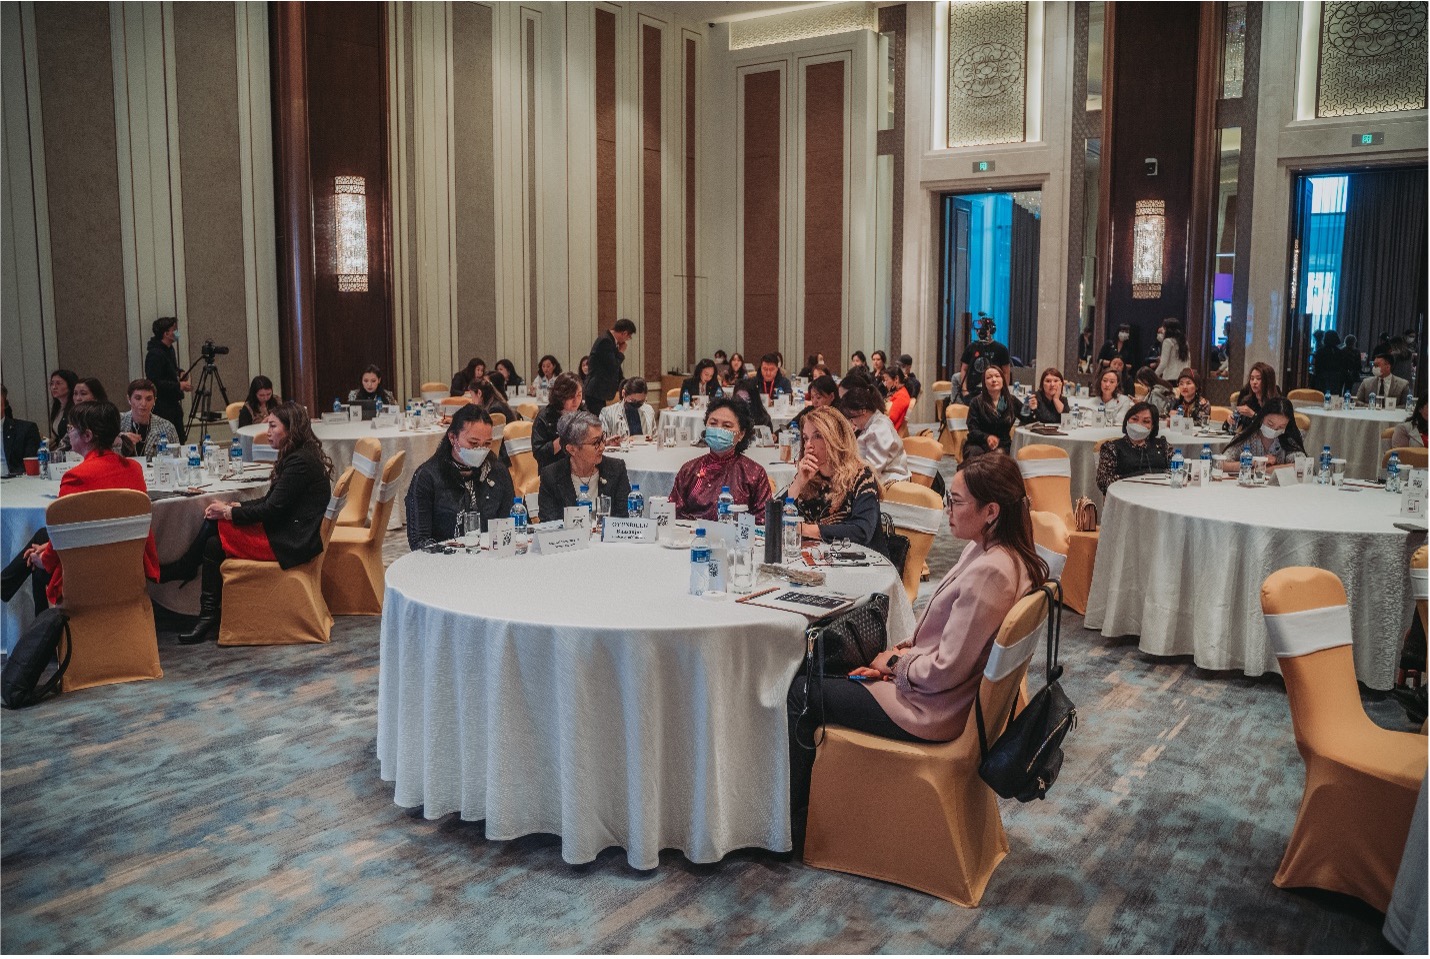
[(917, 512), (367, 464), (922, 453), (524, 473)]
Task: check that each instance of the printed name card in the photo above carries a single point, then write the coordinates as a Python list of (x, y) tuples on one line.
[(745, 532), (1284, 476), (1201, 472), (618, 530), (503, 533), (1413, 494), (654, 503), (552, 541), (663, 516), (578, 518)]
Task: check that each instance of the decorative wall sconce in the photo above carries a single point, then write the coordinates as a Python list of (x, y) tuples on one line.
[(1149, 233), (350, 214)]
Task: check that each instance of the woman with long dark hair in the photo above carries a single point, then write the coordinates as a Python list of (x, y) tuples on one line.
[(372, 389), (1272, 433), (547, 369), (508, 372), (566, 397), (703, 382), (1260, 387), (283, 526), (1047, 405), (476, 369), (1138, 451), (991, 416), (62, 384), (1412, 431), (1174, 354), (922, 689), (261, 401), (461, 481)]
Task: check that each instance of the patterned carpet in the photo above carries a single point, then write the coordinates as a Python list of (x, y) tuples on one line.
[(235, 806)]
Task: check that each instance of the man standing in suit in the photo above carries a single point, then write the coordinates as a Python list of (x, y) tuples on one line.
[(607, 355), (22, 438), (1382, 382)]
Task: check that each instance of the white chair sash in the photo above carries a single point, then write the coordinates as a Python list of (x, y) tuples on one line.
[(434, 395), (1055, 561), (1058, 466), (99, 532), (918, 519), (1309, 631), (958, 423), (522, 444), (263, 453), (365, 466), (1420, 582), (386, 492), (922, 465), (335, 506), (1003, 661), (497, 431), (942, 394)]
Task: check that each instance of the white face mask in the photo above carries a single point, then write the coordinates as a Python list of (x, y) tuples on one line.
[(1138, 432), (1161, 337), (472, 458), (1269, 431), (1122, 337)]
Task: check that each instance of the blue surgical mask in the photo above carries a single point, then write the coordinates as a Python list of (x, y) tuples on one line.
[(719, 439), (176, 336)]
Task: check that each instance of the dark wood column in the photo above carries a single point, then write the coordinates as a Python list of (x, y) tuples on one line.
[(294, 197)]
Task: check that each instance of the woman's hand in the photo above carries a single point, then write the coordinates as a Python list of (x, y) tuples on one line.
[(219, 511), (32, 557), (867, 673), (1246, 411), (1270, 461), (134, 438), (809, 531), (992, 442), (805, 472), (881, 662)]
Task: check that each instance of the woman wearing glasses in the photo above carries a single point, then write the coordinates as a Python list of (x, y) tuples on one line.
[(584, 465), (462, 481)]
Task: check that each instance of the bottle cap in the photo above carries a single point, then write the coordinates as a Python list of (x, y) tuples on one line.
[(700, 531)]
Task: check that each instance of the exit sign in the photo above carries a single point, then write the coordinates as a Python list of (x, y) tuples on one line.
[(1367, 139), (983, 166)]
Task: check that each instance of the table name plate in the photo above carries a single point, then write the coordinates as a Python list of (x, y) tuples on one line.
[(619, 530), (578, 518), (503, 533), (549, 542), (1413, 494)]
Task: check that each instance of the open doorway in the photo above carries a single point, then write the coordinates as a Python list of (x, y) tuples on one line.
[(988, 257)]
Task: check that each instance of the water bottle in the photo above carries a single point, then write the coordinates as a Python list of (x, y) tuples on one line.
[(583, 498), (1101, 413), (1206, 453), (337, 405), (790, 532), (685, 399), (163, 448), (235, 453), (196, 465), (1346, 400), (635, 502), (1392, 474), (699, 563), (1028, 406), (722, 508), (1370, 401), (377, 406), (1325, 476), (518, 514), (44, 457), (1243, 477), (1326, 403), (1177, 466)]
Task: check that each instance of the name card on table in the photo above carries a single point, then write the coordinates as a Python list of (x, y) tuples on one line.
[(745, 531), (663, 515), (1201, 472), (1285, 476), (503, 533), (618, 530), (654, 503), (578, 518), (551, 541), (1413, 494)]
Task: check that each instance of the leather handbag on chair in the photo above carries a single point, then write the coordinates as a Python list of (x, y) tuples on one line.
[(837, 644), (1085, 515)]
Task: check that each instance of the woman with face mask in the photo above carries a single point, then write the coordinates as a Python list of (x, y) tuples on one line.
[(632, 416), (461, 480), (1272, 433), (1137, 452), (728, 431)]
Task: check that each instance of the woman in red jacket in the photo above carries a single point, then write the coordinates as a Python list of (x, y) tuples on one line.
[(92, 430), (898, 396)]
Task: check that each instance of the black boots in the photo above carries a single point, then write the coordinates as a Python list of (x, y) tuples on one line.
[(210, 602), (186, 567)]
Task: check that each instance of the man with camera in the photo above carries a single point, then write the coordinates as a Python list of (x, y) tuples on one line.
[(161, 366)]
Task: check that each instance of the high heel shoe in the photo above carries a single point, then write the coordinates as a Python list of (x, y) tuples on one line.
[(207, 624)]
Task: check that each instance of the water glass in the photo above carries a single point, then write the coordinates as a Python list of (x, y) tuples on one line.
[(1338, 471), (603, 508), (1258, 469), (742, 571)]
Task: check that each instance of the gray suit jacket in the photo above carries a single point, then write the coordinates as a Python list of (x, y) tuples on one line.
[(1373, 384)]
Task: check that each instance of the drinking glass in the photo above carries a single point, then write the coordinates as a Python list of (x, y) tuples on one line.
[(603, 508), (1338, 471), (742, 571), (1258, 469)]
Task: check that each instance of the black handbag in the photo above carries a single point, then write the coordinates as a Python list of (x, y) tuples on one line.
[(898, 544), (841, 642), (1023, 763), (37, 646)]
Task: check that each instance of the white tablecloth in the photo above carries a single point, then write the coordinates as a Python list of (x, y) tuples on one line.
[(1182, 569), (338, 440), (612, 708), (1080, 444), (1353, 434), (176, 520), (654, 469)]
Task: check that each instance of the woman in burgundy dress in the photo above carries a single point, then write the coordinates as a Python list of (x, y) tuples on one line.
[(697, 486)]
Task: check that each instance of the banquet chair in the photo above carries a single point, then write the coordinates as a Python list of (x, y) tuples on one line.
[(100, 538), (1297, 397), (367, 464), (524, 474), (955, 432), (1047, 475), (1139, 392), (922, 454), (230, 413), (262, 452), (1303, 422), (1050, 538), (672, 398), (917, 512), (1387, 433), (1410, 456), (253, 589), (498, 432), (1221, 414), (1361, 780), (526, 408), (353, 579), (433, 390), (1233, 398), (1421, 587), (942, 390), (947, 836), (450, 404)]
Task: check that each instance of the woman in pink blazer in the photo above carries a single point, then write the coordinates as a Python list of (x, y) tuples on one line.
[(923, 688)]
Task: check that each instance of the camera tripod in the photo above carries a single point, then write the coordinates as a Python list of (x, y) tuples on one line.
[(202, 409)]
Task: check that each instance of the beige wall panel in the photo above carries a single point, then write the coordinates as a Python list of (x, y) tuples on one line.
[(475, 198), (77, 97)]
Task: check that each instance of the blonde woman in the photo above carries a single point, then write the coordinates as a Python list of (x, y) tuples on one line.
[(836, 492)]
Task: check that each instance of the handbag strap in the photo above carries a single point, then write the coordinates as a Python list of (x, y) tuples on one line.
[(1052, 593), (54, 681), (814, 666)]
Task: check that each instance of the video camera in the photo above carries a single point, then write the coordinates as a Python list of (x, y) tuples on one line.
[(209, 351)]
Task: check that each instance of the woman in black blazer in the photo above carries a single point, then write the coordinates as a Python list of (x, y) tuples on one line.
[(566, 397), (582, 437), (283, 526)]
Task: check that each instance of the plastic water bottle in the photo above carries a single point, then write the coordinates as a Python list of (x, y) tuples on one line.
[(163, 448), (722, 508), (1178, 465), (583, 498), (1206, 453), (1326, 403), (635, 502), (337, 405), (1101, 413), (377, 406), (1392, 474), (685, 399), (44, 457), (1325, 476), (235, 453), (699, 563), (1346, 400), (789, 532), (1370, 401), (1243, 477), (518, 514), (196, 464)]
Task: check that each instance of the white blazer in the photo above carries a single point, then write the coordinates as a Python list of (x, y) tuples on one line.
[(613, 420)]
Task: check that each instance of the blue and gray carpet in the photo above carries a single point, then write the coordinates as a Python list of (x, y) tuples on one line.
[(235, 806)]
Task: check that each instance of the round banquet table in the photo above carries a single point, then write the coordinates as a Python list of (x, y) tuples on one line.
[(338, 440), (1182, 568), (176, 520), (626, 713), (1353, 434), (693, 421), (1081, 442), (654, 469)]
